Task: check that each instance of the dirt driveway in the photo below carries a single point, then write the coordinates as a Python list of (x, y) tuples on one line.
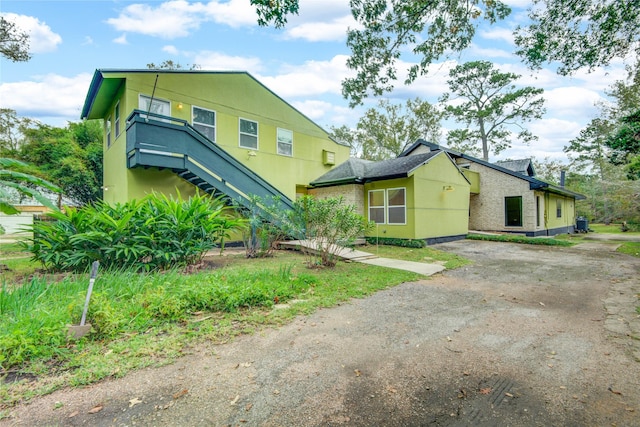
[(525, 336)]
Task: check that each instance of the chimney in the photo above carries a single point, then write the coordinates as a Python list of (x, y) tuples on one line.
[(562, 176)]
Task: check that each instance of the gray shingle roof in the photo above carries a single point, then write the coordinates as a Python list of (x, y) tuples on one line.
[(360, 171), (523, 166)]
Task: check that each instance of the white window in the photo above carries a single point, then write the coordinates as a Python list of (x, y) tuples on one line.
[(116, 115), (205, 122), (285, 142), (388, 206), (158, 106), (376, 206), (396, 206), (248, 134), (107, 130)]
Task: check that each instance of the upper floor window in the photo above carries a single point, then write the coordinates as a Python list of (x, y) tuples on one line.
[(248, 134), (285, 142), (157, 106), (107, 130), (205, 122), (116, 117)]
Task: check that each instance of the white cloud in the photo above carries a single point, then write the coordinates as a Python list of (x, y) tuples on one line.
[(219, 61), (234, 13), (487, 53), (571, 102), (498, 33), (41, 38), (334, 30), (87, 41), (121, 40), (169, 20), (314, 109), (170, 49), (49, 95), (310, 79)]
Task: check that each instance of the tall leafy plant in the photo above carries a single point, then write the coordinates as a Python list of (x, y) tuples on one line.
[(153, 233)]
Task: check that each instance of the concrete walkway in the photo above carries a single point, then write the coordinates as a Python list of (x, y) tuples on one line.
[(368, 258)]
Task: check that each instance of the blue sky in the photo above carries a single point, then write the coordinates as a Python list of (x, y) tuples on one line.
[(303, 63)]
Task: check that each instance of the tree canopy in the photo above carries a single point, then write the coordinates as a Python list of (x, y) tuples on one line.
[(14, 44), (572, 34), (490, 105), (383, 132)]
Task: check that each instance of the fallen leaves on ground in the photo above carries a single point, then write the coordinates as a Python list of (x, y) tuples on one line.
[(180, 393), (133, 402), (96, 409), (485, 390)]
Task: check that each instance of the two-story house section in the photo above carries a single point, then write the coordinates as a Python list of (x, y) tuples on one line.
[(224, 132)]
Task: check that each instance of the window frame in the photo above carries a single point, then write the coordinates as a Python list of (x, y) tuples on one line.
[(107, 130), (159, 101), (240, 133), (116, 119), (215, 121), (387, 206), (390, 206), (507, 211), (278, 142), (383, 207), (559, 208)]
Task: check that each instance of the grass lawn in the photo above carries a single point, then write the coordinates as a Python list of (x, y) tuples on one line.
[(144, 320)]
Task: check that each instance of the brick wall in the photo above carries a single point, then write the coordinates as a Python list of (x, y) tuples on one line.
[(488, 208), (352, 193)]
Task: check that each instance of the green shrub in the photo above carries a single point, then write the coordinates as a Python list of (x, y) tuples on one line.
[(549, 241), (154, 233), (390, 241)]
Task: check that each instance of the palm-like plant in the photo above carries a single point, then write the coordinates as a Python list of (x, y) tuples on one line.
[(19, 181)]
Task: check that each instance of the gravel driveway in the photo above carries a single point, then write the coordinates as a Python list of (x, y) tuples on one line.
[(526, 336)]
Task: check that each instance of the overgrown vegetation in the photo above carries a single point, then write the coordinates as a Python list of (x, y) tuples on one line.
[(142, 319), (329, 223), (550, 241), (154, 233)]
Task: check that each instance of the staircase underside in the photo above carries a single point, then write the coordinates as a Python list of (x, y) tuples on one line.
[(167, 143)]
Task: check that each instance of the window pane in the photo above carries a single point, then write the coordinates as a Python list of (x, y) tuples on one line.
[(249, 127), (158, 106), (396, 215), (285, 142), (376, 198), (285, 149), (248, 141), (204, 116), (207, 131), (376, 215), (396, 197)]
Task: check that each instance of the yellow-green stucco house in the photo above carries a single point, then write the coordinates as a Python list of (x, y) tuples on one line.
[(507, 197), (424, 197), (173, 131)]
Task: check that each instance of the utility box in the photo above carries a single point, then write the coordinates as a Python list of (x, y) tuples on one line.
[(582, 224)]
